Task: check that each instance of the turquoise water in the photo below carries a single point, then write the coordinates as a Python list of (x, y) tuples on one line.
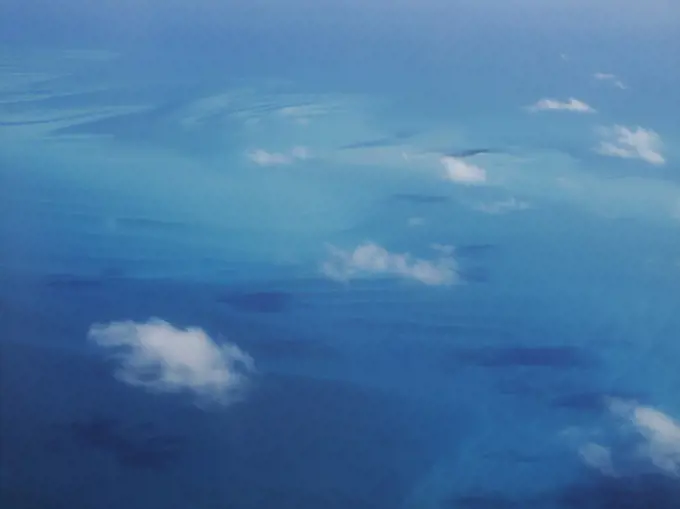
[(334, 256)]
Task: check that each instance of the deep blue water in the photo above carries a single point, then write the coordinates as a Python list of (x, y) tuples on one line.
[(344, 263)]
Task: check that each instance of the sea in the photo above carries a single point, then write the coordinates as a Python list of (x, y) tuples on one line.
[(339, 255)]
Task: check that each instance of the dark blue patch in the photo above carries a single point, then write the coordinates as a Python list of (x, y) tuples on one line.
[(84, 116), (135, 446), (475, 249), (483, 501), (589, 401), (295, 433), (381, 142), (421, 199), (470, 152), (512, 457), (650, 491), (557, 357), (72, 282), (279, 349), (258, 302), (148, 224), (474, 275)]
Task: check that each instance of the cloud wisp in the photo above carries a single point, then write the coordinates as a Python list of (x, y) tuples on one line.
[(162, 358), (264, 158), (631, 143), (610, 78), (370, 259), (503, 206), (571, 104), (303, 114), (462, 172)]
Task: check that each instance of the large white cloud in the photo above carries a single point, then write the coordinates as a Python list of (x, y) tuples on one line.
[(643, 438), (162, 358), (265, 158), (462, 172), (371, 259), (631, 143), (570, 105)]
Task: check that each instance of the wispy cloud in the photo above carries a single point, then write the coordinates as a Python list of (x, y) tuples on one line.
[(304, 113), (631, 143), (462, 172), (419, 221), (162, 358), (555, 105), (675, 211), (502, 207), (598, 457), (264, 158), (370, 259), (610, 78)]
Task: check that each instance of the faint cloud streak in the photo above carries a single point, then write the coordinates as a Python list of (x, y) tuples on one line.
[(571, 104)]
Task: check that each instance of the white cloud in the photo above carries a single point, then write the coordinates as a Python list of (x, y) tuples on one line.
[(631, 143), (263, 158), (503, 207), (642, 438), (463, 172), (419, 221), (371, 259), (660, 432), (611, 78), (553, 104), (159, 357)]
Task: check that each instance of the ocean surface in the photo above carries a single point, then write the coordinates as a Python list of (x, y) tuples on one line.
[(335, 256)]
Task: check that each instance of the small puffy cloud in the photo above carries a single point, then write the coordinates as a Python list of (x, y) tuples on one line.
[(371, 259), (462, 172), (503, 206), (162, 358), (570, 105), (265, 158), (610, 78), (631, 143)]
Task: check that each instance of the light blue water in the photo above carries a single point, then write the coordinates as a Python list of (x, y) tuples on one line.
[(201, 166)]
